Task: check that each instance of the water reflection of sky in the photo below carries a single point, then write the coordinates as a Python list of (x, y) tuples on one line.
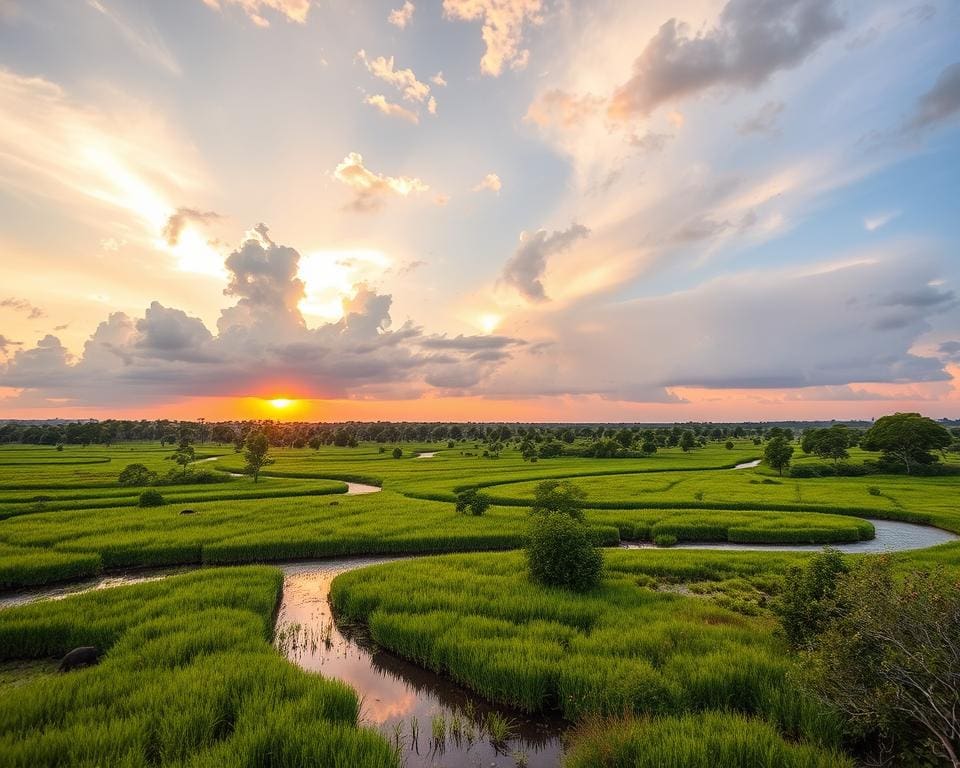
[(394, 693)]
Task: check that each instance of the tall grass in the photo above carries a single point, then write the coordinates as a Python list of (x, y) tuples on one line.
[(189, 677)]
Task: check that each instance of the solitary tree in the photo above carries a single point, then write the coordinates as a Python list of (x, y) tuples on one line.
[(184, 455), (777, 453), (255, 452), (472, 501), (907, 438), (688, 441), (561, 551)]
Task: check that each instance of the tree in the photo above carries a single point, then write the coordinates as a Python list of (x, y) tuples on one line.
[(397, 453), (906, 438), (649, 447), (184, 455), (687, 441), (729, 445), (777, 453), (134, 475), (560, 553), (559, 496), (889, 658), (472, 501), (256, 450), (831, 443)]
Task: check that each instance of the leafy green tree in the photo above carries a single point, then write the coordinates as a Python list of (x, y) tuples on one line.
[(472, 501), (649, 447), (687, 441), (888, 658), (830, 443), (907, 438), (397, 453), (559, 496), (777, 453), (561, 553), (729, 445), (134, 475), (256, 453), (184, 455)]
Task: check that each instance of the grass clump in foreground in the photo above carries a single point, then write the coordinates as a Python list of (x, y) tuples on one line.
[(692, 741), (189, 678), (621, 648)]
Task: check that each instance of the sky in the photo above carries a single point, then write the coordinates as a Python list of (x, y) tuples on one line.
[(521, 210)]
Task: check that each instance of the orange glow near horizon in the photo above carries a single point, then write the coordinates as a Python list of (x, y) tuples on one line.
[(281, 402)]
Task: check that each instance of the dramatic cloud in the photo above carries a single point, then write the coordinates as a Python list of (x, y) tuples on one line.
[(180, 218), (401, 16), (372, 189), (764, 122), (261, 340), (503, 23), (292, 10), (22, 305), (404, 80), (752, 40), (392, 110), (744, 331), (489, 182), (525, 269), (940, 103)]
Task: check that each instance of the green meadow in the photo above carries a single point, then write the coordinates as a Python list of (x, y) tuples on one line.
[(675, 660)]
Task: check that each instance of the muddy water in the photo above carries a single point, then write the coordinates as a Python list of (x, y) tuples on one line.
[(426, 455), (403, 701), (355, 489), (748, 464)]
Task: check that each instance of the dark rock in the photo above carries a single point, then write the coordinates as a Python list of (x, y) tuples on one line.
[(187, 512), (83, 656)]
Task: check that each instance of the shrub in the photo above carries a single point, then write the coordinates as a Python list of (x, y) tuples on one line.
[(561, 553), (808, 600), (397, 453), (873, 490), (151, 498), (665, 540), (472, 501), (134, 475), (559, 496), (729, 445)]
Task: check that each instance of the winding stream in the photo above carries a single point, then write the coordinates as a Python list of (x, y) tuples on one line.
[(431, 720)]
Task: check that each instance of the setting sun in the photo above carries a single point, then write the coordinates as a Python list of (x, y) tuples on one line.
[(280, 402)]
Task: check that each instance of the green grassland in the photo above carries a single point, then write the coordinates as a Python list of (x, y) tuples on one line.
[(679, 645), (189, 679)]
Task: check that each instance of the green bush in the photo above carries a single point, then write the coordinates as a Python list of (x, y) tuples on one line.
[(873, 490), (398, 453), (808, 601), (134, 475), (472, 501), (665, 540), (561, 553), (151, 498)]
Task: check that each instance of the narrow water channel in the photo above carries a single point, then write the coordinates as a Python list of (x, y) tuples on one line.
[(432, 721)]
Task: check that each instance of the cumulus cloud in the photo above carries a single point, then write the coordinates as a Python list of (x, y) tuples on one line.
[(489, 182), (438, 80), (938, 104), (260, 339), (7, 345), (751, 41), (525, 269), (388, 108), (291, 10), (404, 80), (371, 189), (764, 122), (22, 305), (503, 27), (180, 218), (401, 16)]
